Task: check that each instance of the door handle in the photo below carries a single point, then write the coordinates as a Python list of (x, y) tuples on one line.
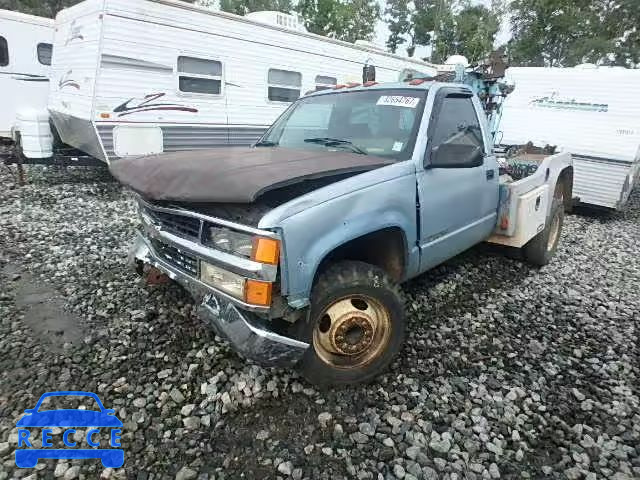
[(490, 174)]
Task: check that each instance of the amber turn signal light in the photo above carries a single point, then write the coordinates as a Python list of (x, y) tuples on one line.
[(265, 250), (257, 293)]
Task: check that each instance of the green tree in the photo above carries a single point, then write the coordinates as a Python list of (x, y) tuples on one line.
[(42, 8), (242, 7), (619, 22), (563, 33), (399, 24), (549, 32), (475, 31), (359, 19), (414, 22), (340, 19), (446, 26)]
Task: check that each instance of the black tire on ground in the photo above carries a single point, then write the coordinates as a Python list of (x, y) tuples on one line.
[(540, 249), (364, 286)]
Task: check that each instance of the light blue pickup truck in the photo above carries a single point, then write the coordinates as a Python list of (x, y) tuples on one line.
[(296, 246)]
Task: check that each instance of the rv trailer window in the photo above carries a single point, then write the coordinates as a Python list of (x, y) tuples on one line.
[(197, 75), (323, 82), (4, 52), (284, 86), (45, 50)]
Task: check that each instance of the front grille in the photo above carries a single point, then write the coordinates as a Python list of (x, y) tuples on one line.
[(176, 257), (178, 224)]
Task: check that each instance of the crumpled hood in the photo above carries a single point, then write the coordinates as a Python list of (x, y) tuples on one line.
[(234, 174)]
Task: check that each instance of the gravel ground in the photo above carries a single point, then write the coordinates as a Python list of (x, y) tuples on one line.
[(508, 371)]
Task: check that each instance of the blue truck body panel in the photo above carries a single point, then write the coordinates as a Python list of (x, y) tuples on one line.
[(315, 224)]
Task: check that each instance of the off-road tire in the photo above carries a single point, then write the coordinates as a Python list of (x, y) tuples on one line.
[(341, 280), (539, 251)]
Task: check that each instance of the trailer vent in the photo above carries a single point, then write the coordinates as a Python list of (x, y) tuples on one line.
[(278, 19)]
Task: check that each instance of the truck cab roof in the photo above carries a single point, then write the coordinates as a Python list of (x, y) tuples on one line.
[(425, 85)]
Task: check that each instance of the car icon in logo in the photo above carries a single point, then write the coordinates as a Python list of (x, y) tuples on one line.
[(66, 419)]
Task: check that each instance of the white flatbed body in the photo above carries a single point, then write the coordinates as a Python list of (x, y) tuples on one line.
[(525, 203)]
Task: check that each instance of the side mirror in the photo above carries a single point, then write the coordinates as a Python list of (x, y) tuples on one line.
[(455, 155)]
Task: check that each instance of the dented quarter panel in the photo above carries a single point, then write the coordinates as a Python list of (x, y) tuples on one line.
[(315, 224)]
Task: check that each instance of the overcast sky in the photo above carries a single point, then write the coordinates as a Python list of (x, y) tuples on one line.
[(382, 33)]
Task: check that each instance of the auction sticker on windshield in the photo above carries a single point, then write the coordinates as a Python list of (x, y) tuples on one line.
[(398, 101)]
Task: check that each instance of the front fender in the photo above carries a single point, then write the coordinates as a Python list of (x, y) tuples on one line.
[(311, 234)]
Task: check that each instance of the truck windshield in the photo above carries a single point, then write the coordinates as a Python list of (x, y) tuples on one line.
[(371, 122)]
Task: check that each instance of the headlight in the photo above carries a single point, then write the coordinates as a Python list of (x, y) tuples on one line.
[(251, 291), (229, 241), (259, 249), (224, 280)]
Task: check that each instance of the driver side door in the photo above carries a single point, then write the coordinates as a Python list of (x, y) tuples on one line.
[(458, 184)]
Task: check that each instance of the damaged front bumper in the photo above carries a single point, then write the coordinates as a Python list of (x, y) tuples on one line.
[(248, 333)]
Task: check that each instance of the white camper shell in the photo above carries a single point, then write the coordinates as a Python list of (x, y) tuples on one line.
[(25, 56), (591, 113), (136, 77)]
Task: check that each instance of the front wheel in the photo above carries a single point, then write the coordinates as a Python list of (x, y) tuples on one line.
[(541, 248), (355, 326)]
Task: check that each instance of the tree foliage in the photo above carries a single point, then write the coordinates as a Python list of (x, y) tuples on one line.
[(242, 7), (342, 19), (545, 32), (411, 23), (42, 8), (475, 28), (564, 33), (447, 26)]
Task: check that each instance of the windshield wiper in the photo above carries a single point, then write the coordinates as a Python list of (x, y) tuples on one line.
[(265, 143), (336, 142)]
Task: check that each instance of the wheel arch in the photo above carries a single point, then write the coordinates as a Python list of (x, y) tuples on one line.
[(385, 248), (565, 179)]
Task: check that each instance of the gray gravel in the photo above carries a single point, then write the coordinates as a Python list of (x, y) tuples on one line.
[(508, 371)]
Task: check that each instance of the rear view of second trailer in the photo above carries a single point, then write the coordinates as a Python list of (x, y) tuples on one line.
[(591, 113), (25, 59)]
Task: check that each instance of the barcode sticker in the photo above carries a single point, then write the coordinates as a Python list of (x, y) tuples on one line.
[(398, 101)]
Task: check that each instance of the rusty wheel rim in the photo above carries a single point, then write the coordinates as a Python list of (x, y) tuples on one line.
[(352, 332)]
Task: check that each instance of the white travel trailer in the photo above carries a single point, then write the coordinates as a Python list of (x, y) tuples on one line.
[(25, 55), (591, 112), (133, 77)]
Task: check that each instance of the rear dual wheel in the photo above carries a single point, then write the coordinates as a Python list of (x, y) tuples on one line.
[(355, 327)]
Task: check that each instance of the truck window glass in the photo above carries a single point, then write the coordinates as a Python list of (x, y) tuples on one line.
[(45, 50), (284, 85), (369, 120), (4, 52), (457, 124), (315, 117), (199, 75)]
